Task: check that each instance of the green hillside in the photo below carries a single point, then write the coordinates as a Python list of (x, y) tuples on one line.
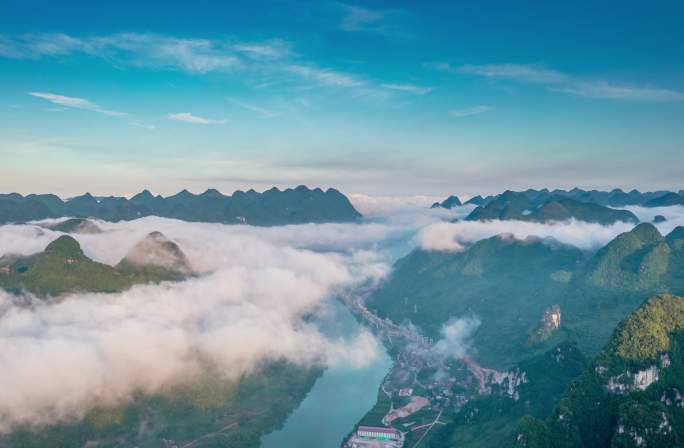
[(64, 268), (544, 308), (490, 420), (630, 396), (509, 284), (618, 278), (506, 282)]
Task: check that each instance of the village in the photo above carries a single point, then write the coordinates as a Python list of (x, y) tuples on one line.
[(422, 387)]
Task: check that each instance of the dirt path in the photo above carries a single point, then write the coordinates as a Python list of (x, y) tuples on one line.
[(428, 430)]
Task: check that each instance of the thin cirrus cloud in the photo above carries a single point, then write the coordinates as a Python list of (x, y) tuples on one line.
[(264, 112), (76, 103), (357, 18), (197, 56), (458, 113), (362, 19), (409, 88), (326, 77), (187, 117), (557, 81)]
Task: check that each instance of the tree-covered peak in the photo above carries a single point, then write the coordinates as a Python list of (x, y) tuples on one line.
[(64, 245), (646, 332)]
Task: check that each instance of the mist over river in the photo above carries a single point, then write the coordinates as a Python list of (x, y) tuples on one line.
[(338, 400)]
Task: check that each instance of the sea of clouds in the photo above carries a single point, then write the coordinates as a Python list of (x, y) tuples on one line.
[(254, 299), (454, 236)]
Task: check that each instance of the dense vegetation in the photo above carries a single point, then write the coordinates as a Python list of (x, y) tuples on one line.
[(512, 286), (509, 284), (613, 404), (272, 207), (63, 268), (490, 420)]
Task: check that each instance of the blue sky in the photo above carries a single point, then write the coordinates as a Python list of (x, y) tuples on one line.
[(388, 98)]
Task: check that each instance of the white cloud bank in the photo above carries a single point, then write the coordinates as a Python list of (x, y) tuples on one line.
[(386, 205), (248, 305), (673, 214), (454, 236), (447, 236)]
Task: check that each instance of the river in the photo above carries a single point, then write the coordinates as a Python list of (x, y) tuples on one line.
[(338, 400)]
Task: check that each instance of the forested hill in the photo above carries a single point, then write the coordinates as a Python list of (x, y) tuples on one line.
[(63, 268), (631, 395), (544, 309), (272, 207)]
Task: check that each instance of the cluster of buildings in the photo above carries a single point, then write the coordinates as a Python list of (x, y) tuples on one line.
[(375, 437)]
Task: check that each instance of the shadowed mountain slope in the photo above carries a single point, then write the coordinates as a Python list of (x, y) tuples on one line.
[(272, 207)]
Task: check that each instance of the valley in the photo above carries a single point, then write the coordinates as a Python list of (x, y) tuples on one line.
[(479, 345), (341, 224)]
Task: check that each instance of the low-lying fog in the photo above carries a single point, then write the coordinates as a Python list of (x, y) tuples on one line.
[(249, 302)]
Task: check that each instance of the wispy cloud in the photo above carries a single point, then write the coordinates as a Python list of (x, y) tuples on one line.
[(328, 77), (194, 119), (191, 55), (76, 103), (409, 88), (516, 72), (458, 113), (138, 49), (270, 59), (558, 81), (600, 89), (357, 18), (363, 19), (272, 49), (268, 113)]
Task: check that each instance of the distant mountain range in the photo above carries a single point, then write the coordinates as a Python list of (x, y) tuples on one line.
[(450, 202), (613, 198), (560, 205), (272, 207), (518, 206)]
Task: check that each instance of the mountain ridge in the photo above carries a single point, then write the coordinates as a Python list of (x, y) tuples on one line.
[(272, 207)]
